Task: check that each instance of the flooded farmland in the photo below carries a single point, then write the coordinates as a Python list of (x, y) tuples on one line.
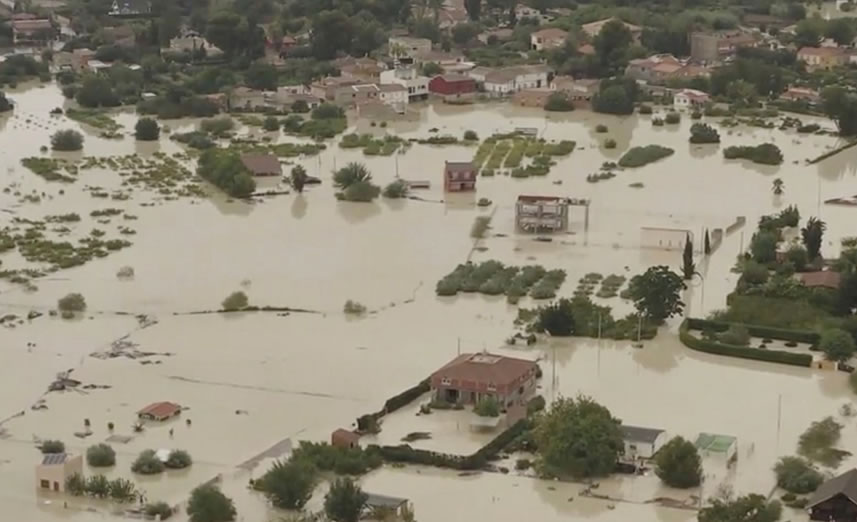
[(252, 380)]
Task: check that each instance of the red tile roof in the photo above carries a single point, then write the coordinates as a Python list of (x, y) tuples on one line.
[(821, 279), (160, 410), (459, 166), (486, 369), (262, 164)]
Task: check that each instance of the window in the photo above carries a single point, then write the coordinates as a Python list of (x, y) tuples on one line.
[(46, 484), (446, 381), (492, 386)]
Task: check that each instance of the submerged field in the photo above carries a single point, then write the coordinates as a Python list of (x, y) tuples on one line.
[(252, 380)]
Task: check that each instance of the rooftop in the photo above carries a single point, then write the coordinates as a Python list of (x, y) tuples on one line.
[(693, 93), (54, 459), (160, 409), (534, 199), (638, 434), (452, 78), (459, 166), (551, 33), (821, 51), (593, 28), (486, 368), (32, 25), (821, 279), (714, 442), (261, 164), (845, 484)]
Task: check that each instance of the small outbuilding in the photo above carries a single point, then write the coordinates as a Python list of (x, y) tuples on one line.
[(642, 443), (262, 164), (836, 499), (714, 444), (344, 439), (459, 176), (395, 505), (159, 411), (55, 470)]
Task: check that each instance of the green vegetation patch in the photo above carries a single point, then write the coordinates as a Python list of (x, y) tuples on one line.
[(639, 156), (494, 278), (93, 118), (50, 169)]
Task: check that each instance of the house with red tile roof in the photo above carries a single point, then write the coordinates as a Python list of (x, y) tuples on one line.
[(159, 411), (262, 164), (471, 377)]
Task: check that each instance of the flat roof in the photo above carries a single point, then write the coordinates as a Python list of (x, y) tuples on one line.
[(715, 442), (639, 434), (375, 500)]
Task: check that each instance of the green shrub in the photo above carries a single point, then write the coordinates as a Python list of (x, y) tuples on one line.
[(765, 154), (796, 475), (470, 135), (217, 127), (672, 118), (224, 169), (558, 102), (354, 308), (73, 302), (178, 459), (639, 156), (100, 456), (156, 509), (271, 123), (703, 133), (645, 109), (487, 407), (396, 189), (67, 140), (609, 143), (235, 301), (147, 129), (689, 340), (837, 344), (147, 463), (52, 446), (601, 128), (736, 335), (342, 461)]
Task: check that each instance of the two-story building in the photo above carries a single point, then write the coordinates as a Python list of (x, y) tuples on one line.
[(541, 213), (406, 75), (351, 95), (37, 32), (459, 176), (452, 86), (509, 80), (394, 95), (823, 57), (546, 39), (471, 377)]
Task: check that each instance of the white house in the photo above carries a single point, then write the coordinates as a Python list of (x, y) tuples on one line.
[(510, 80), (394, 95), (191, 41), (690, 98), (407, 76), (642, 443)]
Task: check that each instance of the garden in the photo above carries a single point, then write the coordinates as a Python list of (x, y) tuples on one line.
[(495, 278)]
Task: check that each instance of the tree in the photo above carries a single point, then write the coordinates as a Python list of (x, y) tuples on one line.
[(350, 174), (798, 257), (474, 9), (558, 102), (147, 129), (289, 485), (754, 273), (67, 140), (656, 293), (431, 69), (749, 508), (332, 31), (841, 30), (159, 508), (298, 177), (235, 301), (808, 32), (147, 463), (235, 35), (837, 344), (100, 456), (396, 189), (271, 123), (688, 267), (556, 319), (98, 486), (52, 446), (208, 504), (463, 34), (778, 187), (345, 501), (487, 407), (612, 43), (797, 475), (261, 76), (225, 170), (840, 105), (76, 485), (614, 98), (703, 133), (707, 245), (763, 247), (178, 459), (5, 104), (97, 91), (121, 490), (73, 302), (811, 235), (578, 437), (678, 464)]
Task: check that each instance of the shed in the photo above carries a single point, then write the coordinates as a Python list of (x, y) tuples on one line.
[(342, 438), (459, 176), (835, 499), (159, 411), (642, 443), (395, 505), (712, 443), (55, 470), (262, 164)]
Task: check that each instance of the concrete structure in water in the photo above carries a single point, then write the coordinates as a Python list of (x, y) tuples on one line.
[(471, 377), (459, 176), (836, 499), (541, 213), (262, 164), (55, 470), (641, 443), (342, 438)]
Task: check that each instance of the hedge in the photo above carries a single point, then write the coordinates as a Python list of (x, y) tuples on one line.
[(765, 332), (703, 345), (394, 403), (406, 454)]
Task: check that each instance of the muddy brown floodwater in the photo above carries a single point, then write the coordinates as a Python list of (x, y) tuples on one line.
[(253, 380)]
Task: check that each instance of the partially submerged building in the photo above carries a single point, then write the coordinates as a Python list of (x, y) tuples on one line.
[(471, 377), (262, 164), (55, 470), (642, 443), (394, 505), (725, 446), (541, 213), (33, 32), (342, 438), (459, 176), (159, 411), (835, 499)]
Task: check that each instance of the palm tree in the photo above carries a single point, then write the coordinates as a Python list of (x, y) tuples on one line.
[(778, 187), (811, 235), (351, 174)]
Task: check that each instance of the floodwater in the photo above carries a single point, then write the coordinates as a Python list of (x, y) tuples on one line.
[(253, 380)]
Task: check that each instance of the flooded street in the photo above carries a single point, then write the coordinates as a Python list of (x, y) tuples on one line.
[(251, 380)]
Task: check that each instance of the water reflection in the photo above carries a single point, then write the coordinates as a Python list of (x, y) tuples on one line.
[(299, 206), (357, 212)]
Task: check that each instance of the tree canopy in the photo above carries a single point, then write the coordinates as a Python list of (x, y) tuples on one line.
[(208, 504), (748, 508), (656, 293), (578, 438), (345, 501), (289, 485), (678, 464)]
